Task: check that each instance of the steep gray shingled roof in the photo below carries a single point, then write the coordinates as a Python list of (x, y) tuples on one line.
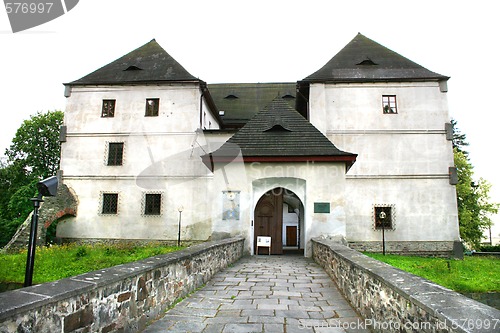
[(146, 64), (363, 60), (241, 101), (278, 133)]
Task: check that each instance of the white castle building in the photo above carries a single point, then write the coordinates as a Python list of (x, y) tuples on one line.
[(362, 144)]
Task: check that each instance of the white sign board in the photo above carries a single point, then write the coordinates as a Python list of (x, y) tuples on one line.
[(264, 241)]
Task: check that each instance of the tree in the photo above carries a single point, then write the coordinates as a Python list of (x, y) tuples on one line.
[(33, 155), (474, 206), (459, 139), (36, 144)]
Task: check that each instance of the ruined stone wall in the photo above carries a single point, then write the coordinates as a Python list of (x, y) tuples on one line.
[(52, 208), (392, 300), (121, 299)]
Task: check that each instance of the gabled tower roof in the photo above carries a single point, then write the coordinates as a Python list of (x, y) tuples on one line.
[(363, 60), (278, 133), (149, 63)]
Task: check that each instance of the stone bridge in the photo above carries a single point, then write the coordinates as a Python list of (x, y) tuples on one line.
[(214, 287)]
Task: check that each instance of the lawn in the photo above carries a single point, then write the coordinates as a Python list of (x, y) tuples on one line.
[(62, 261), (473, 274)]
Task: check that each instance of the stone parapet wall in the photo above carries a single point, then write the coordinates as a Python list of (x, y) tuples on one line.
[(392, 300), (130, 242), (121, 299), (419, 248)]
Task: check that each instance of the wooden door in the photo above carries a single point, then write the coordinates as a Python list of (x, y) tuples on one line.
[(291, 235), (268, 221)]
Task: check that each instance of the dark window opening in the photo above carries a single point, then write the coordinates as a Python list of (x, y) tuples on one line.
[(277, 128), (108, 108), (152, 107), (288, 97), (367, 62), (110, 203), (152, 205), (383, 217), (133, 68), (115, 153), (389, 104)]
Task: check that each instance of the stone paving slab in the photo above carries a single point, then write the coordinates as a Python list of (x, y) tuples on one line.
[(288, 293)]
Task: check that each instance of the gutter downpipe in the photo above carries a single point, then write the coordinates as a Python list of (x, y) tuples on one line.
[(203, 89)]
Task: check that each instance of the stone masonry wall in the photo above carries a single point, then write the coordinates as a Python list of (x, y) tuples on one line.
[(52, 209), (392, 300), (121, 299), (419, 248)]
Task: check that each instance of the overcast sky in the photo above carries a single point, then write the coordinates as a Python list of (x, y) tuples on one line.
[(261, 41)]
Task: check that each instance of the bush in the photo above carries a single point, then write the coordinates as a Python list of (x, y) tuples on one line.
[(8, 229), (490, 248)]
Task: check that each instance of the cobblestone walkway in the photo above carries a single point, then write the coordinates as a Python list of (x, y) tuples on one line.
[(264, 294)]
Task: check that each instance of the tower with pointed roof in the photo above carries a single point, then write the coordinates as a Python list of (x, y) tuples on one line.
[(393, 113), (129, 130), (358, 146)]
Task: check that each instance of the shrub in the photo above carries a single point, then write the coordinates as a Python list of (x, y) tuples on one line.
[(490, 248)]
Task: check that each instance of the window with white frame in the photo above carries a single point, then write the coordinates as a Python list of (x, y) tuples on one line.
[(389, 105), (108, 108), (152, 107)]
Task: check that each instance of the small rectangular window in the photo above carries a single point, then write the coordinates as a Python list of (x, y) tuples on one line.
[(108, 108), (383, 217), (152, 107), (115, 153), (389, 104), (152, 204), (109, 203)]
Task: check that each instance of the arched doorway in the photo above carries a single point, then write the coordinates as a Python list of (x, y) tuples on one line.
[(269, 220)]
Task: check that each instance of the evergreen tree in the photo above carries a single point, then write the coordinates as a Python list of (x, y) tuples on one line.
[(474, 206)]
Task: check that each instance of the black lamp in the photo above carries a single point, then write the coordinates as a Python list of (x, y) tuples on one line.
[(46, 188)]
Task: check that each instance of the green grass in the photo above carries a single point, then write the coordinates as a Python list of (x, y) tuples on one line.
[(473, 274), (58, 262)]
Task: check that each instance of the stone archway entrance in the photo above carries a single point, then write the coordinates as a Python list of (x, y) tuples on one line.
[(269, 220)]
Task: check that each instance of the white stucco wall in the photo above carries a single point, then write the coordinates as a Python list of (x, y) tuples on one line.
[(403, 158), (161, 155), (343, 107), (422, 209), (311, 182)]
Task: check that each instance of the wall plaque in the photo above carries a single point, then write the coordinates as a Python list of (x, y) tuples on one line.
[(231, 205), (322, 207)]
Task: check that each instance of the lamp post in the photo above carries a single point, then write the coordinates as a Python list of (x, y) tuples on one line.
[(48, 188), (382, 215), (180, 209)]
